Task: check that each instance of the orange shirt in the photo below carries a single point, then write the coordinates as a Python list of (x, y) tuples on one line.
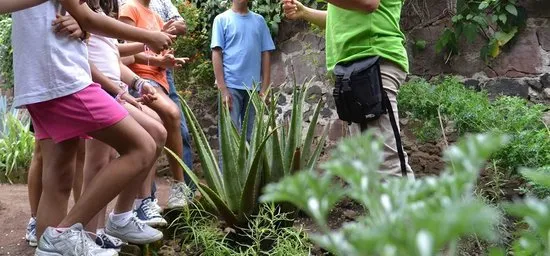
[(145, 18)]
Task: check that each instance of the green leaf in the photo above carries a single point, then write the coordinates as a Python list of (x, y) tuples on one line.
[(538, 177), (483, 5), (503, 18), (512, 9), (308, 143), (503, 38), (231, 175), (470, 32), (223, 209)]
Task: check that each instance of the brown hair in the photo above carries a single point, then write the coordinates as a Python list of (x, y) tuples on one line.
[(109, 7)]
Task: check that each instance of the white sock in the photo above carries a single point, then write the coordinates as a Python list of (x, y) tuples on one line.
[(121, 219), (137, 203), (100, 231)]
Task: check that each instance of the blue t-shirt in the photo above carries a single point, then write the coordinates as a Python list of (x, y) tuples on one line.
[(242, 38)]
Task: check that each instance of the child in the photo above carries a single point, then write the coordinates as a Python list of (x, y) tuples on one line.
[(52, 80), (240, 55), (137, 13)]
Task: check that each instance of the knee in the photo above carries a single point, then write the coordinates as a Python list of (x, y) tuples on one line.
[(174, 116), (59, 180), (144, 154), (159, 134)]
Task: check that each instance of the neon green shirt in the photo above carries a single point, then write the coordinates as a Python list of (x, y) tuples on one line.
[(352, 35)]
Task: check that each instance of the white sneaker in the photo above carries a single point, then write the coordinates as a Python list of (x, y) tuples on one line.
[(147, 214), (156, 206), (30, 235), (135, 232), (73, 241), (180, 195)]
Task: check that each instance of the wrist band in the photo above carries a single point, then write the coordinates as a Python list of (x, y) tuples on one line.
[(139, 85)]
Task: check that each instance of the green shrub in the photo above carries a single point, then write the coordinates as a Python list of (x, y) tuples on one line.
[(405, 216), (6, 52), (16, 143), (468, 111)]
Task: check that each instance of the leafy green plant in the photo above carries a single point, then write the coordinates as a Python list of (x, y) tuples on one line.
[(16, 142), (447, 102), (6, 52), (499, 21), (405, 216), (274, 150)]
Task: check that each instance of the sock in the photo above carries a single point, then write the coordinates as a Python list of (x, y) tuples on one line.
[(137, 203), (61, 230), (121, 219), (100, 231)]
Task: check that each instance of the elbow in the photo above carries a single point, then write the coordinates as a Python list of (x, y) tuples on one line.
[(370, 5)]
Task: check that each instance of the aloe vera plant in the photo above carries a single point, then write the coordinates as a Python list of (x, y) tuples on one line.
[(275, 149)]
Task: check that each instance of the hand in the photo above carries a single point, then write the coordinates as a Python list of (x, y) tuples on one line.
[(148, 94), (175, 27), (179, 62), (168, 27), (293, 9), (66, 25), (160, 41), (226, 98), (166, 60), (127, 98), (264, 96)]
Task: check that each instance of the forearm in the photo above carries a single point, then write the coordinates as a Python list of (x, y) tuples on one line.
[(316, 17), (130, 49), (217, 62), (96, 23), (144, 59), (127, 75), (357, 5), (266, 70), (129, 60), (104, 81), (7, 6)]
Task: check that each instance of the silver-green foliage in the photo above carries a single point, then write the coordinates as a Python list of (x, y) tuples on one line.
[(405, 216), (16, 141)]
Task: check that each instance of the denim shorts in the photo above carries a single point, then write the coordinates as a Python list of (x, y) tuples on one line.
[(151, 82)]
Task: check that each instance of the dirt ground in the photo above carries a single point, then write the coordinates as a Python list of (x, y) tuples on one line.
[(15, 213)]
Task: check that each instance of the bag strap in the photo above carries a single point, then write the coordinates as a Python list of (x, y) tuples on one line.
[(395, 133)]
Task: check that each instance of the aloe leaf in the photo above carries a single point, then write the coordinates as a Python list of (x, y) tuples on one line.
[(230, 173), (293, 130), (310, 133), (320, 146), (296, 161), (223, 209), (251, 189), (243, 151), (210, 168)]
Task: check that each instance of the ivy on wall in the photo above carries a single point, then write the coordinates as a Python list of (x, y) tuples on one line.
[(499, 21)]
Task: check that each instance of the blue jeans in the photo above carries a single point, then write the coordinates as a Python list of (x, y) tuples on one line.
[(187, 151), (239, 103)]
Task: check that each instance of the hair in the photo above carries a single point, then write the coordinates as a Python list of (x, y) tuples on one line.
[(109, 7)]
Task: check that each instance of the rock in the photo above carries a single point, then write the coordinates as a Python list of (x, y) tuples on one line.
[(289, 28), (337, 130), (522, 59), (291, 46), (472, 84), (314, 41), (350, 214), (545, 80), (546, 118), (313, 94), (301, 68), (278, 73), (508, 87), (330, 102), (281, 101), (543, 34), (535, 84), (547, 93), (326, 113)]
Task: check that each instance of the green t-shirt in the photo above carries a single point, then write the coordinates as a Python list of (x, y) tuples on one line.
[(352, 35)]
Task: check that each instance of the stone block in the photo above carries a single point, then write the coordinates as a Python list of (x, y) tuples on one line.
[(313, 94), (521, 59), (506, 86), (543, 34), (278, 70)]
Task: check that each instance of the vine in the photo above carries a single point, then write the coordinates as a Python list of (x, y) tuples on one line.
[(6, 52), (499, 21)]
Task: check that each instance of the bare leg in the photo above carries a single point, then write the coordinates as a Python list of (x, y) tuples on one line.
[(35, 179), (121, 176), (79, 169), (171, 117), (57, 179)]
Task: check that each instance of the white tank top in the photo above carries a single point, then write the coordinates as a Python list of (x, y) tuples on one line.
[(46, 66), (103, 53)]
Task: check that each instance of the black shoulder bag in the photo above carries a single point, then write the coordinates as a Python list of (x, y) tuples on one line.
[(360, 97)]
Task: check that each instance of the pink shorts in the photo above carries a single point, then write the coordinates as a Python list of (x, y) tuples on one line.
[(88, 110)]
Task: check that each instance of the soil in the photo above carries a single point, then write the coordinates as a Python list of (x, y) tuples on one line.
[(15, 213)]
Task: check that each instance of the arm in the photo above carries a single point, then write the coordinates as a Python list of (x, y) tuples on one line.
[(178, 26), (357, 5), (148, 92), (104, 81), (295, 10), (217, 62), (130, 49), (7, 6), (128, 60), (106, 26), (266, 71)]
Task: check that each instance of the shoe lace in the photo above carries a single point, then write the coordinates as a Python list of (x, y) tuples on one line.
[(86, 243), (149, 210), (135, 221), (110, 239)]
